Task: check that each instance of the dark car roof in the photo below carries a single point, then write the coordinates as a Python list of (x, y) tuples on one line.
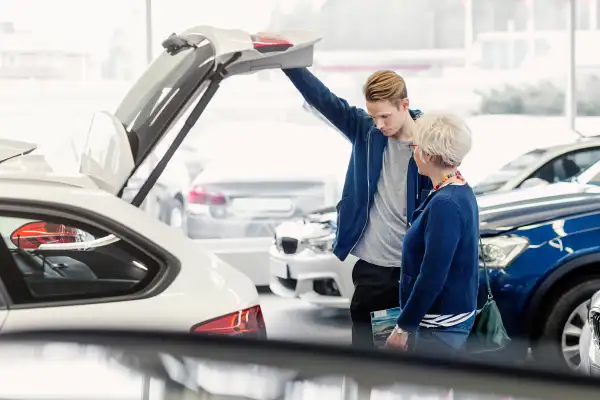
[(506, 211)]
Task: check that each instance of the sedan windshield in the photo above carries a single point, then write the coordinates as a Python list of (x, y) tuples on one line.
[(510, 170)]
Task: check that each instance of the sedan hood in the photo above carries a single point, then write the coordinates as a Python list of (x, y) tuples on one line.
[(506, 211), (316, 224)]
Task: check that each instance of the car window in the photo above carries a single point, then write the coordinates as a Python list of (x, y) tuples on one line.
[(34, 273), (511, 169), (568, 166)]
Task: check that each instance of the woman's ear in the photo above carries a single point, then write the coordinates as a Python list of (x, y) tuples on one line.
[(423, 157)]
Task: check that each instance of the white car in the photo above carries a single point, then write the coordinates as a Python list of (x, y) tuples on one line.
[(589, 345), (303, 265), (543, 166), (75, 254)]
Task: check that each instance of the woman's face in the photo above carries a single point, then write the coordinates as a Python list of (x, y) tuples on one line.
[(422, 160)]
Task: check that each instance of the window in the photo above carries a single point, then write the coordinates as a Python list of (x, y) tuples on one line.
[(509, 171), (34, 273), (568, 166)]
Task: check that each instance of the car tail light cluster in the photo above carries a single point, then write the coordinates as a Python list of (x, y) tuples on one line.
[(247, 323), (199, 195), (33, 234)]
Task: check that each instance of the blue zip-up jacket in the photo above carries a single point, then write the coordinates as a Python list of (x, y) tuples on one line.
[(366, 161)]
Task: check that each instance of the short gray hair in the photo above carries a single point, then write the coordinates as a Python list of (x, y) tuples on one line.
[(445, 137)]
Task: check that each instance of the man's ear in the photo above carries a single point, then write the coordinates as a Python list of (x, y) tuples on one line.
[(401, 104), (405, 104)]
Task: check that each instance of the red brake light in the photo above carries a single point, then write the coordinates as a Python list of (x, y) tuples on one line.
[(248, 322), (199, 195), (33, 234), (266, 43)]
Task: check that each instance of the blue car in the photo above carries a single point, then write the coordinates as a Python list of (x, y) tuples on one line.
[(542, 246)]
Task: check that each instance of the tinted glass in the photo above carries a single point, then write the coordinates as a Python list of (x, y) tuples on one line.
[(46, 274)]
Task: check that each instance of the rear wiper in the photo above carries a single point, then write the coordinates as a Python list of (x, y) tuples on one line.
[(18, 155)]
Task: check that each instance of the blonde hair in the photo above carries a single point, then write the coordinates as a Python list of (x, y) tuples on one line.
[(385, 85), (444, 137)]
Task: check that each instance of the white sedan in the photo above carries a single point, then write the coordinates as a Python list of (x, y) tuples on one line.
[(303, 265), (75, 254)]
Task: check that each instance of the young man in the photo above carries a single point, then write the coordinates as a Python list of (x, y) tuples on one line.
[(382, 187)]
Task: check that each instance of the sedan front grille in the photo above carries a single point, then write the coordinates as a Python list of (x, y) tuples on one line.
[(595, 326)]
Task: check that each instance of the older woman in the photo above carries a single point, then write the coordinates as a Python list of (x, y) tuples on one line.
[(439, 282)]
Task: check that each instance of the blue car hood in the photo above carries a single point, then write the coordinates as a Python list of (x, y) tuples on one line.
[(503, 212)]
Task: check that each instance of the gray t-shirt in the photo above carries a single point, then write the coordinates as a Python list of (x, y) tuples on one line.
[(381, 242)]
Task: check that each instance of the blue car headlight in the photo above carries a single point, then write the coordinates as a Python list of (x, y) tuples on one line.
[(500, 251)]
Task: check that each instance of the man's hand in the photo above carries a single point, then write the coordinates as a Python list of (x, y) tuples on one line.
[(397, 340)]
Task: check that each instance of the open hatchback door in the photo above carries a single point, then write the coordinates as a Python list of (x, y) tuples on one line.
[(172, 94)]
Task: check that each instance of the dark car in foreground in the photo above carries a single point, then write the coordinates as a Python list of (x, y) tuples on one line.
[(167, 366)]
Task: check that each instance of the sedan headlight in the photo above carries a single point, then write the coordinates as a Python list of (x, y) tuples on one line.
[(323, 244), (500, 251)]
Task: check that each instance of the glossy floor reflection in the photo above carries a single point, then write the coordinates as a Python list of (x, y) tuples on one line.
[(293, 319)]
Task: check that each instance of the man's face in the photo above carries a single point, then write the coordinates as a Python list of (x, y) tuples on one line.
[(388, 117)]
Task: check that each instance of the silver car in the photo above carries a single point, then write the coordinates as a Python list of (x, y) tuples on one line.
[(542, 166), (265, 174)]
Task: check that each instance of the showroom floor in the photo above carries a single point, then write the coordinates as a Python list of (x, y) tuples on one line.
[(292, 319)]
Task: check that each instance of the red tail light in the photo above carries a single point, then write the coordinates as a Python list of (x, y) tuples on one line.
[(266, 43), (33, 234), (199, 195), (248, 323)]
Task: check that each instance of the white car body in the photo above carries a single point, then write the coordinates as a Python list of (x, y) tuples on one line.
[(194, 286), (589, 344), (521, 172), (311, 271), (204, 288)]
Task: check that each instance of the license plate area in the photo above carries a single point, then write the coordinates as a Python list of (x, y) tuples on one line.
[(279, 268), (249, 205)]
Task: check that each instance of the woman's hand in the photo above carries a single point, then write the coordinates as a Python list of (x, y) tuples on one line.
[(397, 340)]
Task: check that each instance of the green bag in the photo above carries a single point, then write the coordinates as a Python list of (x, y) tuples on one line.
[(488, 333)]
